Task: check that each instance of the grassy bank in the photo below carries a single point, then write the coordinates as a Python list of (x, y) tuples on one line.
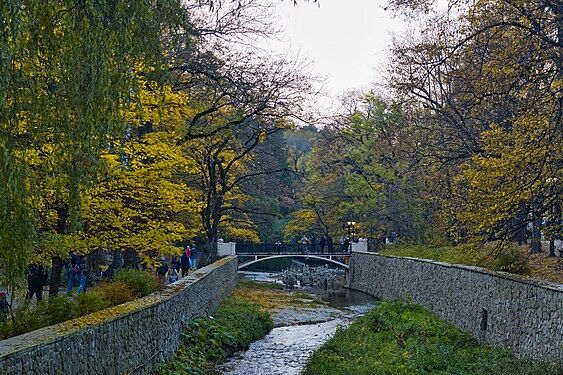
[(403, 338), (209, 340)]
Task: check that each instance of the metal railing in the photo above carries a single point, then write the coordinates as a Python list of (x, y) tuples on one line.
[(284, 248)]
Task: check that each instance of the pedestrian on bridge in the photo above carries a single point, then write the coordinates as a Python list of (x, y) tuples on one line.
[(313, 243), (330, 244), (304, 243), (161, 271), (36, 278), (322, 242)]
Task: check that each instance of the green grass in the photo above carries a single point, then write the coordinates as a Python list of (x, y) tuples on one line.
[(509, 259), (209, 340), (257, 285), (403, 338)]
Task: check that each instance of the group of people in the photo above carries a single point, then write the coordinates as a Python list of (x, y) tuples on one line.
[(180, 266), (76, 271), (324, 242)]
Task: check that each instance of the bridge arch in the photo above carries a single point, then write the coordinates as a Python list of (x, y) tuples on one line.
[(326, 258)]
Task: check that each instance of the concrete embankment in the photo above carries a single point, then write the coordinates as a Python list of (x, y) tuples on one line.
[(126, 339)]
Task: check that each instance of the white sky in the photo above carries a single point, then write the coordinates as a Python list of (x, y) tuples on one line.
[(346, 41)]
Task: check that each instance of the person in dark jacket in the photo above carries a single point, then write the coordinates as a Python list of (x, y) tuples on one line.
[(330, 244), (322, 243), (184, 264), (36, 279), (161, 271)]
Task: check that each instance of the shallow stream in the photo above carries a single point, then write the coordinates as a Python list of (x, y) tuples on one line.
[(299, 331)]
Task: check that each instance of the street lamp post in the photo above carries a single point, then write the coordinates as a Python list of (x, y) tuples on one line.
[(351, 232)]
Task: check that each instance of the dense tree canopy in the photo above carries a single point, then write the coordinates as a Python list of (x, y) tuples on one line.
[(135, 127)]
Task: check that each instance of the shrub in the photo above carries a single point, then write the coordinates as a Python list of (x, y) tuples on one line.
[(89, 302), (26, 319), (140, 283), (512, 260), (58, 309), (114, 293)]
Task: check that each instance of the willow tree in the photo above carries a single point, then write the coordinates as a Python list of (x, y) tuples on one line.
[(65, 69)]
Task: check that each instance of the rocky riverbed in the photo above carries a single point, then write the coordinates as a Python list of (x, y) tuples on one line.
[(303, 323)]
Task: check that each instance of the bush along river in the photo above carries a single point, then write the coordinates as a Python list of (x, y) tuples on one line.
[(304, 318)]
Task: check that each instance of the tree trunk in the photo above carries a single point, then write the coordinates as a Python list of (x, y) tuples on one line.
[(520, 234), (536, 235), (57, 265), (210, 249), (93, 261), (130, 259), (551, 248)]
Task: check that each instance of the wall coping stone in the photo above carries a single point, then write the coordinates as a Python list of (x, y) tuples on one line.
[(549, 285)]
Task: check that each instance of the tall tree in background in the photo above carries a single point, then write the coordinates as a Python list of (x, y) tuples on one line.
[(360, 170), (240, 99), (489, 77)]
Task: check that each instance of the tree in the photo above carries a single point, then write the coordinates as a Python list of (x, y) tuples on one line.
[(359, 170), (240, 99), (489, 80), (65, 70)]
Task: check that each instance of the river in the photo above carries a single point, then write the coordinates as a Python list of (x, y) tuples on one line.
[(299, 330)]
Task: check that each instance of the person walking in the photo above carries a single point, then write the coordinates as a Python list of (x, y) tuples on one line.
[(36, 279), (330, 244), (172, 275), (82, 274), (347, 244), (175, 263), (304, 243), (313, 243), (161, 271), (322, 243), (193, 258), (185, 262), (71, 271)]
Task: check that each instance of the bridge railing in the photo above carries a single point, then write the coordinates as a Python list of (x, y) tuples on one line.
[(283, 248)]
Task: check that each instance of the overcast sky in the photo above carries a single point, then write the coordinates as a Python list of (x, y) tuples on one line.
[(346, 41)]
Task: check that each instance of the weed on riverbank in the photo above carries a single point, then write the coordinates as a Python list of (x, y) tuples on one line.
[(403, 338), (209, 340)]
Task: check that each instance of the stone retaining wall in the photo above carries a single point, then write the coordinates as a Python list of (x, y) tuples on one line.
[(127, 339), (522, 315)]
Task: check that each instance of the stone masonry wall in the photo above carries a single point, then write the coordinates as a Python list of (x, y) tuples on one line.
[(498, 309), (127, 339)]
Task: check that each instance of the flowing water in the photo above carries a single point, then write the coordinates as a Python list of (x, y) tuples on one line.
[(298, 332)]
